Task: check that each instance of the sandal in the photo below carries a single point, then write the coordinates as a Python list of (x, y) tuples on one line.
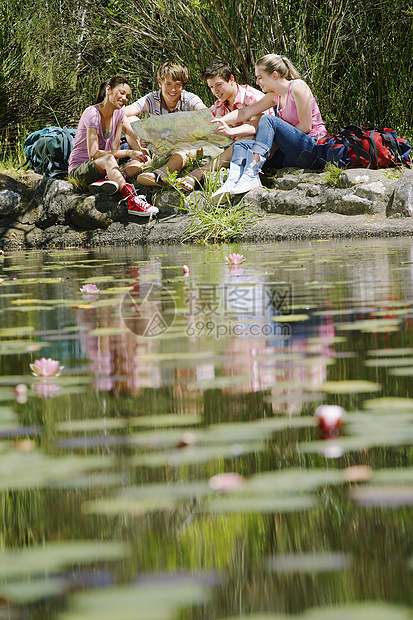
[(156, 178), (188, 183)]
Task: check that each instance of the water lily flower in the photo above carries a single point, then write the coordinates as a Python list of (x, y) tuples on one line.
[(330, 418), (187, 439), (46, 368), (185, 270), (89, 288), (46, 390), (20, 391), (226, 482), (235, 259)]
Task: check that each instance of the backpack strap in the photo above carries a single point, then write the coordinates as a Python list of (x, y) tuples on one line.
[(392, 143), (67, 147), (351, 137)]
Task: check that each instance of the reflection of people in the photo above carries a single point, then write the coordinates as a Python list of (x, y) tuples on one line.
[(229, 96), (294, 131), (171, 97), (96, 150)]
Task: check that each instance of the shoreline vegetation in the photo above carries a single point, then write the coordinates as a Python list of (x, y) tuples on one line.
[(51, 60)]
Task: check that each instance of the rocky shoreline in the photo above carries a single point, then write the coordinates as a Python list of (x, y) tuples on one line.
[(297, 204)]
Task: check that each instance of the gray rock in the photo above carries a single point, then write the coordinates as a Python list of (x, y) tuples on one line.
[(351, 204), (168, 201), (53, 213), (9, 201), (287, 182), (354, 176), (401, 202)]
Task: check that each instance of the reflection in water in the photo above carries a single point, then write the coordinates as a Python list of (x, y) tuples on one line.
[(170, 380)]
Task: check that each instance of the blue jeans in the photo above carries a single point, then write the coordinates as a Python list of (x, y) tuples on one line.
[(295, 148), (240, 150)]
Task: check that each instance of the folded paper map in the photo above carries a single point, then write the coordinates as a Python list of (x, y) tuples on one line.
[(179, 131)]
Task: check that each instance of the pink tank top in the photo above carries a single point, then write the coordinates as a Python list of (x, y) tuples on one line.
[(289, 114)]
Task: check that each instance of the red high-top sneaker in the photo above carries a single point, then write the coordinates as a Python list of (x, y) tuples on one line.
[(137, 205)]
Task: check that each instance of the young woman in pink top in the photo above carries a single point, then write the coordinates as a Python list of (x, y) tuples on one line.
[(291, 135), (96, 152)]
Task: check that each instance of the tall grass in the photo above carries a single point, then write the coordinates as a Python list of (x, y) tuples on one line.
[(12, 156), (212, 223), (357, 56)]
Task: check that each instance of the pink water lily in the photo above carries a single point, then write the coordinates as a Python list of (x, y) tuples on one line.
[(235, 259), (185, 269), (226, 482), (46, 390), (46, 368), (89, 288)]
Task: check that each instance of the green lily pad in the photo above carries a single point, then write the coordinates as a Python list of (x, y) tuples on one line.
[(350, 387), (385, 362), (389, 404), (371, 325), (276, 505), (55, 556), (308, 562), (157, 600), (356, 611), (290, 318), (195, 455)]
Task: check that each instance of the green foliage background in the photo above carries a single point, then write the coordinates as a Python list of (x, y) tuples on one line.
[(357, 55)]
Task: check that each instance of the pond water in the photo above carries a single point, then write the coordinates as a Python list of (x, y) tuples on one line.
[(113, 500)]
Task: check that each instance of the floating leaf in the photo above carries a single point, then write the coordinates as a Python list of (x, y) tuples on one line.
[(34, 469), (230, 505), (391, 352), (168, 419), (308, 562), (157, 599), (26, 592), (350, 387), (108, 331), (91, 425), (402, 372), (389, 404), (54, 556), (195, 455), (386, 496), (389, 362), (357, 611), (290, 318), (371, 325)]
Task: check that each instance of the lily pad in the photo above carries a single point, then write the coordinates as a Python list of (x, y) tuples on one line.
[(26, 592), (55, 556), (371, 325), (276, 505), (290, 318), (308, 562), (158, 599), (350, 387), (389, 404)]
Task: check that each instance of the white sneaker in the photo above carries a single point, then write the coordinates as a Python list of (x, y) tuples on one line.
[(137, 205), (222, 194), (246, 183), (105, 186)]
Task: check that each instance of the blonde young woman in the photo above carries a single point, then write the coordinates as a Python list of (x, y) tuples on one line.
[(293, 133)]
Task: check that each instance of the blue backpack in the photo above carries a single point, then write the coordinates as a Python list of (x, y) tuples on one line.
[(47, 150)]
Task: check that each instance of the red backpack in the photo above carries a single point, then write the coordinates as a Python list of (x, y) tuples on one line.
[(364, 147)]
